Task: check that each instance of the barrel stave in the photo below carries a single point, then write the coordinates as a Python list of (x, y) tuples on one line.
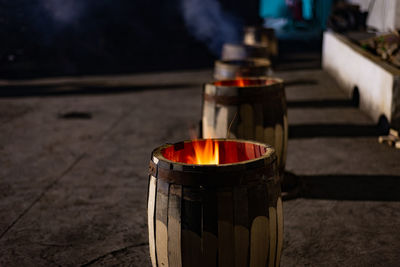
[(225, 227), (174, 226), (191, 227), (259, 225), (151, 205), (210, 227), (241, 226), (162, 222)]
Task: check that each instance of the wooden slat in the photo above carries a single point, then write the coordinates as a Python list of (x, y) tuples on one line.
[(278, 142), (240, 127), (150, 218), (285, 139), (270, 111), (222, 123), (162, 223), (225, 229), (210, 228), (273, 193), (259, 231), (232, 122), (246, 114), (208, 119), (279, 217), (191, 227), (259, 242), (250, 152), (191, 248), (258, 122), (174, 226), (269, 136), (241, 228), (272, 236)]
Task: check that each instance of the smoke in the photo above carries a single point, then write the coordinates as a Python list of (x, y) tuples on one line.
[(208, 23), (64, 11)]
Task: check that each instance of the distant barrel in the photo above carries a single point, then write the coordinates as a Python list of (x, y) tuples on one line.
[(262, 36), (232, 68), (247, 108), (244, 51)]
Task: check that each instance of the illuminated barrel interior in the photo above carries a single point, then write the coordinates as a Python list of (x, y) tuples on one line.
[(214, 152)]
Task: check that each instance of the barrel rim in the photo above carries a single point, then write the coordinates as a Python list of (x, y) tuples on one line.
[(248, 29), (230, 63), (256, 46), (256, 170), (278, 83), (157, 154), (234, 95)]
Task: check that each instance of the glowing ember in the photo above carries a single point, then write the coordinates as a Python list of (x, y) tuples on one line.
[(240, 82), (205, 153), (245, 82)]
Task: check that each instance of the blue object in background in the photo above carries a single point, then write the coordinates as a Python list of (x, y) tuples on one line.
[(273, 9), (307, 9), (322, 11), (316, 10)]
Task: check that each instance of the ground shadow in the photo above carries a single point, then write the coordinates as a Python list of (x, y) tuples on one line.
[(76, 89), (346, 187), (328, 103), (334, 130), (299, 82)]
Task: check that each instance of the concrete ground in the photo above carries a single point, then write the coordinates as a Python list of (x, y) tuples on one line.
[(73, 170)]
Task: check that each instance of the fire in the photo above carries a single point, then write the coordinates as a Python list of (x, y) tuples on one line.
[(206, 152), (240, 82), (212, 152), (245, 82)]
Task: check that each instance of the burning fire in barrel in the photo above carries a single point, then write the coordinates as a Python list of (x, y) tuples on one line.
[(215, 202)]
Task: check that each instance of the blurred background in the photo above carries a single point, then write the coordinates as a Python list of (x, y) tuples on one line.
[(78, 37), (55, 37)]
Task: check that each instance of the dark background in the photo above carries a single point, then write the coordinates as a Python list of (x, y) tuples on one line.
[(78, 37)]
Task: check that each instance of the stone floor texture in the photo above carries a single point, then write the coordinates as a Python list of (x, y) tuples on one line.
[(73, 170)]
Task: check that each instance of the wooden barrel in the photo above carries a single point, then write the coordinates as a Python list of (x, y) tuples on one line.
[(232, 68), (262, 36), (215, 215), (247, 108), (243, 51)]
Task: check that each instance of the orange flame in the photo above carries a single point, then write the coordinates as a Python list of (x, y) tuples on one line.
[(240, 82), (206, 152)]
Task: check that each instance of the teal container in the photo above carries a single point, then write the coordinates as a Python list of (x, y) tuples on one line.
[(316, 10), (273, 9), (307, 9)]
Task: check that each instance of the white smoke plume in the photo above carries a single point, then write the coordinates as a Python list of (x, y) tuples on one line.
[(209, 23), (64, 11)]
